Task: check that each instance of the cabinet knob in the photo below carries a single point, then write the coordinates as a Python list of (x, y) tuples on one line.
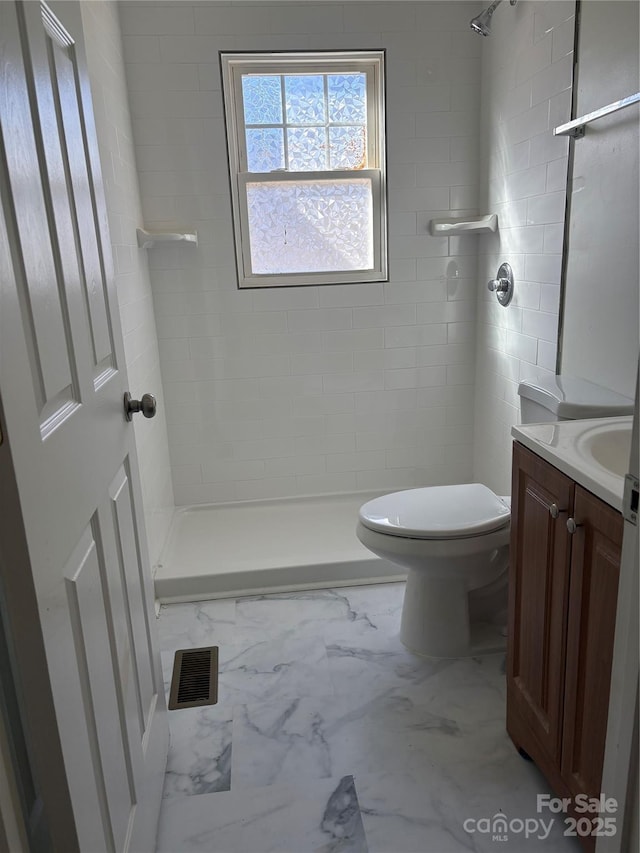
[(573, 525), (554, 511)]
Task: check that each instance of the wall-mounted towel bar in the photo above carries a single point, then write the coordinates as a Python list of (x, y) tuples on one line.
[(576, 127)]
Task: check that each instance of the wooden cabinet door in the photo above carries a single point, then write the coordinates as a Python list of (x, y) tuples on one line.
[(538, 593), (595, 568)]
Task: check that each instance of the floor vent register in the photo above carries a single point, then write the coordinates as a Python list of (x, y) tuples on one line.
[(195, 678)]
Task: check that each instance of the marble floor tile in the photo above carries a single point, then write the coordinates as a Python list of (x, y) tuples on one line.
[(200, 623), (281, 741), (320, 817), (408, 812), (199, 759), (282, 668), (313, 612)]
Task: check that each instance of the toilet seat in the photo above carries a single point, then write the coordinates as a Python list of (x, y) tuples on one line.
[(437, 512)]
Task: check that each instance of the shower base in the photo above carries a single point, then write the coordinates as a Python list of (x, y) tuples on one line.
[(226, 550)]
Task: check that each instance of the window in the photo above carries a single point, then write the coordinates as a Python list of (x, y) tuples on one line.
[(305, 133)]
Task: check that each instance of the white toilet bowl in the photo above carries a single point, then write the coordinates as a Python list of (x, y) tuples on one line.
[(453, 540)]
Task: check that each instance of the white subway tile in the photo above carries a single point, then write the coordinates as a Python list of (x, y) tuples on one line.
[(272, 487), (533, 59), (347, 295), (323, 362), (285, 298), (306, 18), (326, 404), (529, 124), (194, 48), (412, 336), (365, 461), (540, 324), (401, 270), (158, 77), (385, 401), (185, 475), (460, 374), (547, 354), (204, 493), (557, 175), (325, 319), (562, 39), (445, 175), (464, 198), (288, 426), (231, 20), (553, 238), (415, 291), (543, 268), (387, 315), (330, 443), (292, 465), (340, 423), (140, 48), (522, 346), (367, 380), (402, 223), (326, 483), (397, 478), (545, 209), (382, 359), (354, 339), (552, 80)]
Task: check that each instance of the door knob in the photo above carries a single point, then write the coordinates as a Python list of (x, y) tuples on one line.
[(147, 405)]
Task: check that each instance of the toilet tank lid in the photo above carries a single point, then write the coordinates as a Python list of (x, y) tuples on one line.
[(573, 398)]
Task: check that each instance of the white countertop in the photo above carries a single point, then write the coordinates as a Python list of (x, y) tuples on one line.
[(562, 444)]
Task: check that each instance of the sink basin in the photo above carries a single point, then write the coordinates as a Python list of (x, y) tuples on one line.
[(609, 446), (595, 453)]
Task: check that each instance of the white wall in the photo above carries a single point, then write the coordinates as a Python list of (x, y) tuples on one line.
[(311, 390), (600, 329), (106, 69), (526, 91)]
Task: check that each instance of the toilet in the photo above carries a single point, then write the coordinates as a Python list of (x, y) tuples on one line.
[(454, 540)]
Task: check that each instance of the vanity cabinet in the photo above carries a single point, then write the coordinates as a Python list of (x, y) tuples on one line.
[(563, 585)]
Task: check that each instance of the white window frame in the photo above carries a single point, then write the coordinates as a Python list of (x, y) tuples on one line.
[(233, 66)]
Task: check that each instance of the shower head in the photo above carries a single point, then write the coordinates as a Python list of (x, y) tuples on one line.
[(482, 23)]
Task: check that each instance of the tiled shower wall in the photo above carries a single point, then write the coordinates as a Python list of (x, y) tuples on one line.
[(526, 92), (311, 390), (113, 124)]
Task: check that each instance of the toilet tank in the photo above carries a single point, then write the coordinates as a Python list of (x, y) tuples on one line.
[(568, 398)]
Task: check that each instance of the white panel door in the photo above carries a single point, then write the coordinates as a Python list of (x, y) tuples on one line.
[(62, 381)]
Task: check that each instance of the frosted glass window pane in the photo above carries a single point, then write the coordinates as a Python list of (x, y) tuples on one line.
[(347, 148), (310, 226), (265, 149), (307, 149), (347, 98), (262, 99), (304, 98)]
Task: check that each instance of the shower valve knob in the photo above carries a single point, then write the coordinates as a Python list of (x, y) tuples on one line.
[(502, 284), (147, 405)]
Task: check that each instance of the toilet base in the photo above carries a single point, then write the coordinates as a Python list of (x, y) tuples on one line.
[(435, 621), (435, 616)]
